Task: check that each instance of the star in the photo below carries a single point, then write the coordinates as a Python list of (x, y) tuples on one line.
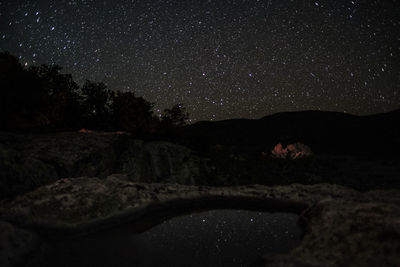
[(338, 56)]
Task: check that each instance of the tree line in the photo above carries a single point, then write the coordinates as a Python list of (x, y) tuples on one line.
[(41, 98)]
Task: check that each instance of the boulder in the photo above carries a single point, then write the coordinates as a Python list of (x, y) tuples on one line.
[(342, 227), (28, 161), (347, 233), (16, 245), (160, 161)]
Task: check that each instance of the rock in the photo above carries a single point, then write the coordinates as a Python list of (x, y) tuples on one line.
[(292, 151), (343, 233), (343, 227), (85, 203), (16, 245), (161, 162), (32, 160), (28, 161)]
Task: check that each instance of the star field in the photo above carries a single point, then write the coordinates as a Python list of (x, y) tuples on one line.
[(222, 59)]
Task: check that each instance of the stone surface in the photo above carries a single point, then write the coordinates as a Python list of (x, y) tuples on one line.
[(16, 245), (76, 203), (343, 233), (28, 161), (160, 161), (343, 227)]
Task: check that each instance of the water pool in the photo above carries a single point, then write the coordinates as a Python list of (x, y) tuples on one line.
[(222, 237)]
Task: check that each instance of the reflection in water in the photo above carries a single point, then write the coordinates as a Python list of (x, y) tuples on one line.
[(218, 237), (210, 238)]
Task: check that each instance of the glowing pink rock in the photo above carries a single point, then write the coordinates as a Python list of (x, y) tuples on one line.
[(292, 151)]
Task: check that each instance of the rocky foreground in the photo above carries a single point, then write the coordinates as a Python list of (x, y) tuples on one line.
[(343, 227), (28, 161)]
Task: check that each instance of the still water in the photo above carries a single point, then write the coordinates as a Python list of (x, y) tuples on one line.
[(208, 238)]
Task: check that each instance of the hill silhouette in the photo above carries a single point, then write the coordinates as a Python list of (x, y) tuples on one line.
[(324, 131)]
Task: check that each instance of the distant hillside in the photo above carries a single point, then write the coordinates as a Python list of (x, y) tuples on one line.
[(324, 132)]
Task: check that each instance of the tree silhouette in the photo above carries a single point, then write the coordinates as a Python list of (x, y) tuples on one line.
[(21, 96), (60, 107), (42, 98), (96, 100), (38, 97), (130, 113), (176, 116)]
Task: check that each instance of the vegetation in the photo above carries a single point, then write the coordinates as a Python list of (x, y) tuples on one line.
[(41, 98), (176, 116)]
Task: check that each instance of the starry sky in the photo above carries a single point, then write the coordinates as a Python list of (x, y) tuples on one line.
[(221, 58)]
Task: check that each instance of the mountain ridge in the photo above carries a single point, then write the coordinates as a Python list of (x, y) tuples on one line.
[(324, 131)]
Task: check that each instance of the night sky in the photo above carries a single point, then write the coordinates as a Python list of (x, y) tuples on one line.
[(222, 59)]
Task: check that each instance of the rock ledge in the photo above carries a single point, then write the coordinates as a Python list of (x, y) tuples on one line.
[(343, 227)]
